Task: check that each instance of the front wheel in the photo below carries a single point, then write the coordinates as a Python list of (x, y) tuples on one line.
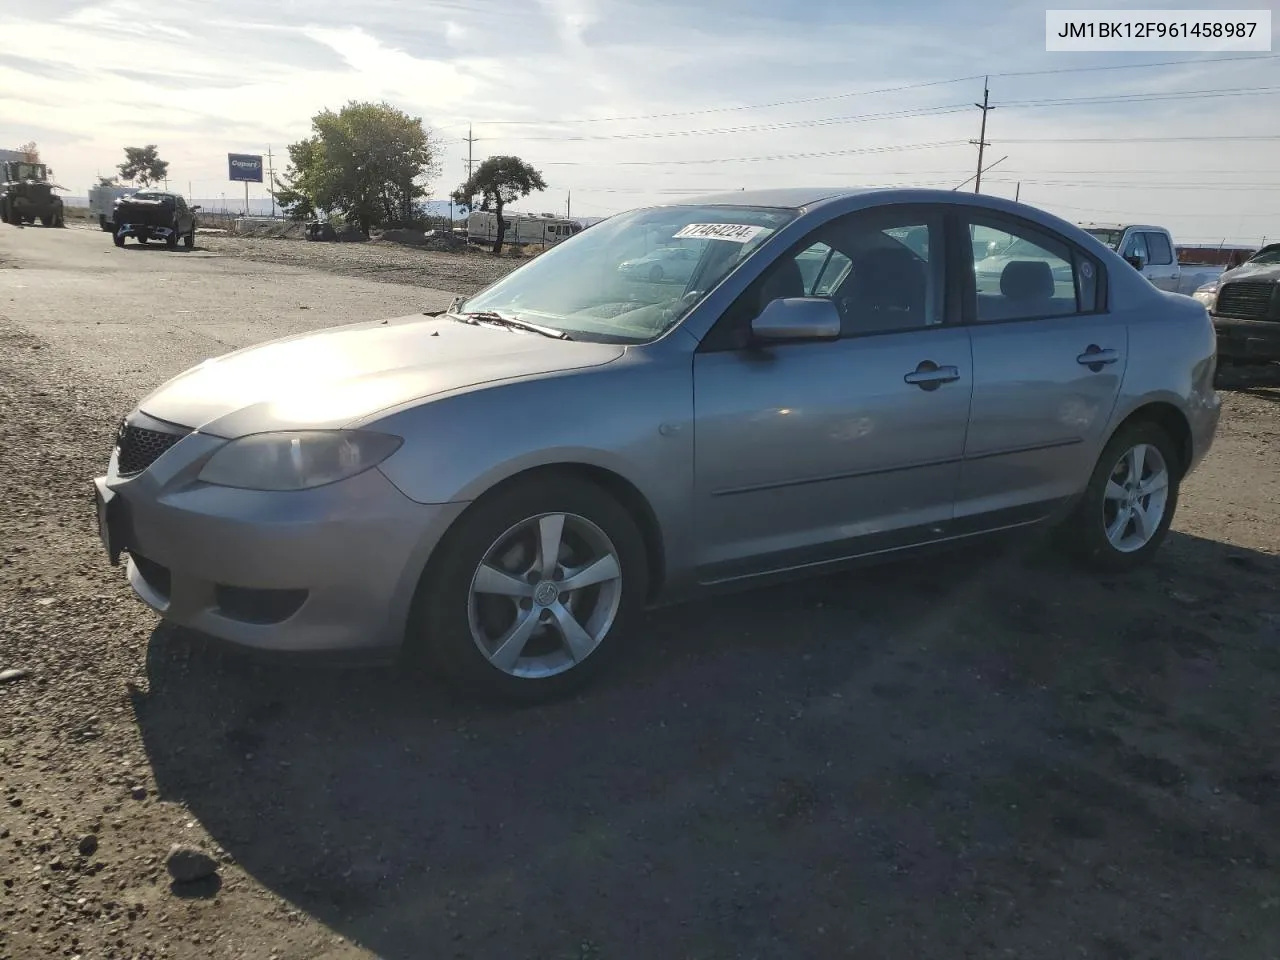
[(119, 239), (171, 240), (1125, 511), (532, 589), (189, 239)]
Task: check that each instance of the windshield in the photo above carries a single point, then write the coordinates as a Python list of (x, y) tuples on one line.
[(1267, 256), (632, 277), (1110, 237), (30, 171)]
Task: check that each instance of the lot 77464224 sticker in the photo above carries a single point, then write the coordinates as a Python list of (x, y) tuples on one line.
[(733, 232)]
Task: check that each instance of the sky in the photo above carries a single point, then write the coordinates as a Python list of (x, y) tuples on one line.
[(623, 103)]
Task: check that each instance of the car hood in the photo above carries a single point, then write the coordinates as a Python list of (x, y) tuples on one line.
[(1254, 271), (332, 377)]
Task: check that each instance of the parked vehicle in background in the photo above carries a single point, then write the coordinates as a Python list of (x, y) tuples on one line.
[(404, 485), (26, 195), (1245, 306), (1152, 252), (155, 215), (102, 203), (522, 228)]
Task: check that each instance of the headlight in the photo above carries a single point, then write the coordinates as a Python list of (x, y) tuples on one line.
[(1207, 293), (297, 460)]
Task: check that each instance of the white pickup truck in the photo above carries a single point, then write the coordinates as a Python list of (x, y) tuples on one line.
[(1151, 250)]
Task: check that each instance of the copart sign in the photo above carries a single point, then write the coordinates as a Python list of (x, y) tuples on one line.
[(244, 167)]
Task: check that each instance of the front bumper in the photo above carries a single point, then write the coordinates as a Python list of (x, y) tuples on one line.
[(144, 231), (330, 569), (1247, 339)]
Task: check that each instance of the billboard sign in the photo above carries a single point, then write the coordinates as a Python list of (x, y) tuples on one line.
[(244, 167)]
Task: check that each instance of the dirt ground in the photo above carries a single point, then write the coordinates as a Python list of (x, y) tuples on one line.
[(983, 755)]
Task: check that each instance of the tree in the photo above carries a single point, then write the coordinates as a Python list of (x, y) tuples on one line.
[(143, 165), (497, 182), (30, 152), (369, 161)]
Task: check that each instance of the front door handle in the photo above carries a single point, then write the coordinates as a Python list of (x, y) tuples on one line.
[(929, 376), (1095, 357)]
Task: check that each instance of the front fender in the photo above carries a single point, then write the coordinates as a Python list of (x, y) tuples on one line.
[(633, 418)]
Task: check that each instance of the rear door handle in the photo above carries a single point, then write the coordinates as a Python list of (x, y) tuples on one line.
[(1095, 357), (929, 376)]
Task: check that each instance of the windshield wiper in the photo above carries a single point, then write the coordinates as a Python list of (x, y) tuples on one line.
[(509, 320)]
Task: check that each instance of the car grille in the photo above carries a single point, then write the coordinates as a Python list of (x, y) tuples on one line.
[(1247, 300), (137, 447)]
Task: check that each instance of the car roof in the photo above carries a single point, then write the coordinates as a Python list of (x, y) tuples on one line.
[(776, 197)]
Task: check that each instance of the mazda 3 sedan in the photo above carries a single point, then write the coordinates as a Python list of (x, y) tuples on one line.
[(504, 486)]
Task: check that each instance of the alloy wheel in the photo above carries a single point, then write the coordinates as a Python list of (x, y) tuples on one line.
[(1135, 498), (545, 595)]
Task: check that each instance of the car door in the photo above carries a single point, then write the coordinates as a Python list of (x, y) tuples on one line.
[(1048, 362), (810, 452), (1162, 264)]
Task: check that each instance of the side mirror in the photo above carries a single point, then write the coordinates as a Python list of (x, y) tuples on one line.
[(1135, 260), (797, 318), (196, 207)]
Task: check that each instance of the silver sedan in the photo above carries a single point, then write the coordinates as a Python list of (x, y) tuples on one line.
[(503, 487)]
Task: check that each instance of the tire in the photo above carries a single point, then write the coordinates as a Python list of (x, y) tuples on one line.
[(171, 241), (655, 273), (451, 622), (106, 227), (49, 221), (142, 241), (1090, 533), (6, 215), (189, 239), (119, 239)]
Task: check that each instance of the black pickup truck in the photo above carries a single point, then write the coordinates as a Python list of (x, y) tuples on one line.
[(155, 215), (1245, 306)]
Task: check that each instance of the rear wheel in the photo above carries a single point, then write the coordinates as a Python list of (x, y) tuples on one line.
[(532, 588), (1125, 512), (189, 239), (171, 240), (655, 273)]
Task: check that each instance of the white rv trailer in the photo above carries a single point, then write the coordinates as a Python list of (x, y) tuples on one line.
[(522, 228)]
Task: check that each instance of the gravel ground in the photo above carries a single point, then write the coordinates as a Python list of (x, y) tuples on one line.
[(982, 755), (375, 260)]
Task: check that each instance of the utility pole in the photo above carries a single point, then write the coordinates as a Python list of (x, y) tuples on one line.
[(271, 181), (981, 142), (469, 141), (1017, 191), (567, 200)]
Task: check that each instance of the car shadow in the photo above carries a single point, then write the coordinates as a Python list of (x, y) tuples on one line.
[(801, 770)]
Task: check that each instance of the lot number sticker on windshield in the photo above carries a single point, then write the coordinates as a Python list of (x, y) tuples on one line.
[(733, 232)]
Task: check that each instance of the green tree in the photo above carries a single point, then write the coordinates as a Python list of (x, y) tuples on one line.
[(369, 161), (495, 183), (142, 165)]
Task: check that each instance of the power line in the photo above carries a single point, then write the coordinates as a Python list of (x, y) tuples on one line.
[(1189, 139), (939, 110), (893, 148), (1142, 97), (934, 111), (867, 93)]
